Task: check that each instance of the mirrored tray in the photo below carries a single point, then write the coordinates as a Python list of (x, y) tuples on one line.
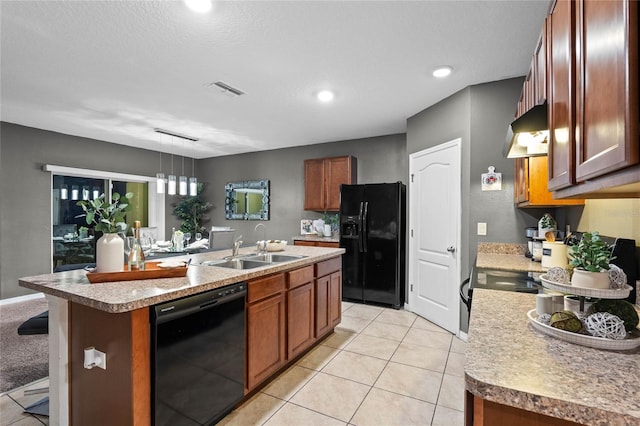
[(631, 342), (612, 293)]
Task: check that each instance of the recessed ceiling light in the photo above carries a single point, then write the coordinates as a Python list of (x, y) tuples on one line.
[(442, 71), (200, 6), (325, 96)]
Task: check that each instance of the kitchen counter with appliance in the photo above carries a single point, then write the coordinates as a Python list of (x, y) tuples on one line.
[(126, 296), (143, 340), (510, 367)]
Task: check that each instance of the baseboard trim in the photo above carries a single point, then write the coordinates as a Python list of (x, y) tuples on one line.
[(24, 298)]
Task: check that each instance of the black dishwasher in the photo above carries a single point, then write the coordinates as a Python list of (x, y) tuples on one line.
[(197, 357)]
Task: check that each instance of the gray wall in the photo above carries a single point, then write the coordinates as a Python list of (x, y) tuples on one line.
[(379, 159), (25, 209)]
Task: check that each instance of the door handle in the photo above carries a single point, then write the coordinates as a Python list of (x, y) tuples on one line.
[(451, 249)]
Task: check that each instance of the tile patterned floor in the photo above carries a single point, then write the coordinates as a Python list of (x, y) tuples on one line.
[(381, 366)]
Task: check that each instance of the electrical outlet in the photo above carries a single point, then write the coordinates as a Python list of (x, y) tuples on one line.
[(482, 228)]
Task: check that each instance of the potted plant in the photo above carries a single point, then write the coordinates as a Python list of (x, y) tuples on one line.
[(192, 211), (331, 220), (590, 259), (108, 218)]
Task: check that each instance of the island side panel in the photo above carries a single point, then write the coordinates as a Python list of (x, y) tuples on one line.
[(121, 393)]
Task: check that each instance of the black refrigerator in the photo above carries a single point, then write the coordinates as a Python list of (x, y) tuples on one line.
[(372, 232)]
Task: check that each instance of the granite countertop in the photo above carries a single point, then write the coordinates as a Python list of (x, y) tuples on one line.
[(506, 256), (332, 239), (511, 363), (124, 296)]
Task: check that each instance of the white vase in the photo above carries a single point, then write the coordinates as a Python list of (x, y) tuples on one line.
[(327, 230), (586, 279), (110, 253)]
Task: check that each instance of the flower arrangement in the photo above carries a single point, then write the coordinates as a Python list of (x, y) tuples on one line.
[(107, 217)]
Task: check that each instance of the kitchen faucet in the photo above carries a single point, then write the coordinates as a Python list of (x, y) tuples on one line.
[(262, 247), (236, 246)]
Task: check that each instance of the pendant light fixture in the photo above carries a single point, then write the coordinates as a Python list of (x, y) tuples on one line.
[(182, 184), (160, 174), (193, 181), (172, 182)]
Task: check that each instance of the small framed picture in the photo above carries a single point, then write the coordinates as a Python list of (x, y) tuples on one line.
[(306, 226)]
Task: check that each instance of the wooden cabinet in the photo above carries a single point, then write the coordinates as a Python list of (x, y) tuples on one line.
[(606, 87), (328, 293), (481, 412), (266, 328), (530, 186), (283, 311), (561, 71), (593, 91), (332, 244), (322, 180), (534, 88), (300, 311)]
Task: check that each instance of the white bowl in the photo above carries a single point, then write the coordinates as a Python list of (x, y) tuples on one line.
[(276, 245)]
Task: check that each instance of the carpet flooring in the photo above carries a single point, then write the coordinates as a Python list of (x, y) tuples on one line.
[(23, 359)]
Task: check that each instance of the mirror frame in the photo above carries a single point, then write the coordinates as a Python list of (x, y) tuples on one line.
[(231, 189)]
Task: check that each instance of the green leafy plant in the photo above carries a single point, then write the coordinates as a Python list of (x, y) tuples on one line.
[(192, 211), (331, 219), (107, 217), (591, 253)]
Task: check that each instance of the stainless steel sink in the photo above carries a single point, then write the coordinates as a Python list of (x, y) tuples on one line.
[(275, 258), (252, 261), (241, 263)]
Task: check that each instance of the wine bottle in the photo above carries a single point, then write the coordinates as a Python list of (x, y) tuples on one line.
[(136, 255)]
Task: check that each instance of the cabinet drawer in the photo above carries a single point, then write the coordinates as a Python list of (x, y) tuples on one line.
[(299, 276), (265, 287), (328, 266)]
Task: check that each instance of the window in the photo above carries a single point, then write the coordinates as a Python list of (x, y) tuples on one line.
[(73, 241)]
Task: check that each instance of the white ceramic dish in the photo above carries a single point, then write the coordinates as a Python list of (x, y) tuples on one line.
[(611, 293), (631, 342)]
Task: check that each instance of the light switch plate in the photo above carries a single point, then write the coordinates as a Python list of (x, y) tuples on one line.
[(482, 228)]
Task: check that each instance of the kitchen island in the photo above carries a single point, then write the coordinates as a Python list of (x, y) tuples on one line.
[(517, 375), (114, 317)]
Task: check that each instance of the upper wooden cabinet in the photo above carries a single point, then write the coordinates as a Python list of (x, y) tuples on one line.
[(531, 185), (593, 98), (534, 88), (322, 180), (606, 87)]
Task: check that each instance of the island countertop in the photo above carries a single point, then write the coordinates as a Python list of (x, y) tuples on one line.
[(511, 363), (125, 296)]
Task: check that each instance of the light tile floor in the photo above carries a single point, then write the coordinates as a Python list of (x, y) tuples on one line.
[(380, 367)]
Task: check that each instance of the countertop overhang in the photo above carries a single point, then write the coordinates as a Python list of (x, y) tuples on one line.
[(510, 363), (125, 296)]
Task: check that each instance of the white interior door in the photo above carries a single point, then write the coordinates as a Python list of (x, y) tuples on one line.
[(434, 221)]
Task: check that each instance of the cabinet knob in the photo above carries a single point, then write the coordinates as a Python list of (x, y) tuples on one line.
[(451, 249)]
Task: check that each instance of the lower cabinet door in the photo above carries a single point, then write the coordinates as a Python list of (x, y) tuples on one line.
[(335, 299), (300, 319), (322, 305), (265, 339)]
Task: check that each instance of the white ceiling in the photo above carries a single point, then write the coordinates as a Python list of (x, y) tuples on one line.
[(115, 70)]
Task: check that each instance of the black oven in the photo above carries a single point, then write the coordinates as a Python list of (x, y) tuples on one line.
[(197, 365)]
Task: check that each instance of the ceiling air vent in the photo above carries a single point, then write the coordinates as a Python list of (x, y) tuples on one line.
[(224, 86)]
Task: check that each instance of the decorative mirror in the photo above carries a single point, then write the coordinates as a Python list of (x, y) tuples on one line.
[(248, 200)]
